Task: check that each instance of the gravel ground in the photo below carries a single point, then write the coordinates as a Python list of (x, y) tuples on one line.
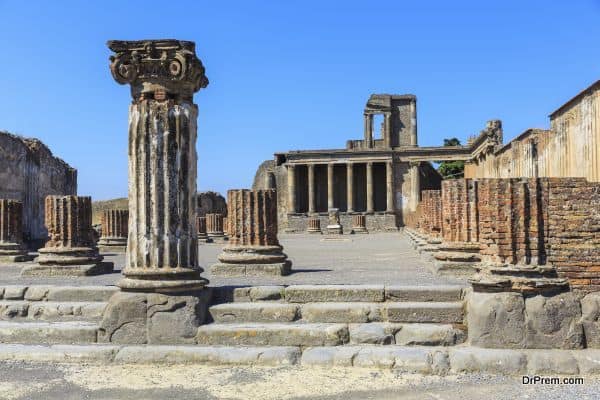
[(132, 382), (381, 258)]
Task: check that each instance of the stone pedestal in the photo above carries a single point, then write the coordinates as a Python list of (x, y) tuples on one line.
[(114, 231), (201, 229), (455, 258), (359, 224), (334, 227), (314, 225), (214, 228), (253, 247), (163, 297), (70, 250), (12, 248)]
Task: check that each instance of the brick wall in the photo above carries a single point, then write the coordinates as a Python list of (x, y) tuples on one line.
[(429, 211)]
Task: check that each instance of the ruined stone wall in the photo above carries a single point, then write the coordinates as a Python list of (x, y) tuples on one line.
[(429, 212), (211, 202), (29, 172)]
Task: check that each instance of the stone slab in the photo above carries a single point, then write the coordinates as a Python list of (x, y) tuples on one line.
[(67, 270), (423, 293), (81, 293), (492, 361), (403, 359), (233, 270), (347, 312), (334, 293), (373, 333), (58, 353), (273, 334), (437, 312), (430, 335), (254, 312), (552, 362), (337, 356), (75, 332)]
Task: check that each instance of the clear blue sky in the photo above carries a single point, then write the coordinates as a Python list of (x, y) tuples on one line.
[(290, 74)]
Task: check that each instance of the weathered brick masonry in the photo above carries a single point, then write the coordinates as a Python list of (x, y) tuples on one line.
[(523, 221), (430, 212)]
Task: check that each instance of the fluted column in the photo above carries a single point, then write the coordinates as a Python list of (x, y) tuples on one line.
[(114, 229), (370, 202), (369, 130), (359, 223), (253, 247), (311, 189), (201, 229), (214, 226), (387, 131), (416, 186), (291, 189), (70, 249), (330, 192), (11, 231), (314, 225), (389, 183), (350, 187), (162, 247)]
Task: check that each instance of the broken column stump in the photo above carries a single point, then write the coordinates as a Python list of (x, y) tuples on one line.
[(114, 230), (163, 297), (214, 227), (201, 229), (253, 247), (314, 225), (359, 223), (70, 249), (12, 248)]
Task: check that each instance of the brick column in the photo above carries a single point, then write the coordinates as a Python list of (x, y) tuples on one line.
[(350, 186), (253, 247), (291, 189), (330, 192), (370, 205), (70, 249), (12, 248), (311, 189), (114, 230)]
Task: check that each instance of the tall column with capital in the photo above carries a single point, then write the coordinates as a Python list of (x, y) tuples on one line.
[(350, 186), (369, 130), (291, 188), (370, 200), (311, 189), (161, 270), (330, 192), (389, 183), (387, 129)]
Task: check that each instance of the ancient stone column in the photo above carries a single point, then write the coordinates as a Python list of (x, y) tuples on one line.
[(314, 225), (201, 229), (311, 189), (291, 189), (225, 228), (359, 224), (370, 202), (413, 122), (389, 184), (334, 227), (214, 226), (350, 186), (253, 247), (415, 186), (369, 130), (114, 230), (387, 122), (330, 192), (12, 248), (70, 249), (162, 300)]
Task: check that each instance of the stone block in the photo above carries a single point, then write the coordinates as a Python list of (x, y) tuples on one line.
[(273, 334), (552, 363), (373, 333), (350, 312), (47, 332), (590, 318), (423, 293), (67, 270), (553, 322), (254, 312), (36, 293), (81, 293), (403, 359), (233, 270), (58, 353), (124, 320), (336, 356), (496, 320), (264, 293), (14, 292), (429, 335), (491, 361), (588, 361), (439, 312), (13, 309), (334, 293)]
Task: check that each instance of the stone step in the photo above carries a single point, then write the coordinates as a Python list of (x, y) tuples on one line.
[(50, 310), (299, 294), (70, 332), (343, 312), (57, 293)]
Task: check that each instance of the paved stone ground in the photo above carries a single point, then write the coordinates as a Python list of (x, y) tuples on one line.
[(382, 258), (20, 381)]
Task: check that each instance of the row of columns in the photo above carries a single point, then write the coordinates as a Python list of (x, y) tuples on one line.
[(292, 201)]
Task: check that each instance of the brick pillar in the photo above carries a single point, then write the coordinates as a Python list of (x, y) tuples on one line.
[(253, 247), (70, 249), (114, 230), (201, 229), (314, 225), (12, 248), (359, 223), (214, 226)]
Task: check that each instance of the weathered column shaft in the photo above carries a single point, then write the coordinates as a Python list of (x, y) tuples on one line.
[(311, 189), (387, 131), (214, 224), (359, 223), (350, 187), (330, 191), (369, 130), (225, 225), (370, 205), (314, 225), (201, 226), (11, 221), (115, 223), (416, 186), (253, 215), (69, 221), (389, 181), (291, 189)]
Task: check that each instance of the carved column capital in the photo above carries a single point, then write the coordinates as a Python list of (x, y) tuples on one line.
[(158, 69)]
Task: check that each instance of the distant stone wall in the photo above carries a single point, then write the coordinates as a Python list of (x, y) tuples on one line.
[(537, 221), (211, 203), (29, 172), (374, 222)]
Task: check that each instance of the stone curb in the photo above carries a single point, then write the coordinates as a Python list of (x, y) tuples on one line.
[(409, 359)]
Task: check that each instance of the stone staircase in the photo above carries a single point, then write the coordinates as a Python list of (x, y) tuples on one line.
[(334, 315)]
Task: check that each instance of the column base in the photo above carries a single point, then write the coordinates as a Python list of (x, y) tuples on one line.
[(203, 238), (359, 230), (14, 252), (68, 261), (162, 280), (113, 244), (252, 261), (217, 238), (335, 230), (154, 318), (68, 270), (314, 231)]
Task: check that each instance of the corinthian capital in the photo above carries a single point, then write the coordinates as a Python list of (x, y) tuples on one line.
[(158, 69)]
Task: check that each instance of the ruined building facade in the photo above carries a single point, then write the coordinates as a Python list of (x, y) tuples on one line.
[(28, 173)]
